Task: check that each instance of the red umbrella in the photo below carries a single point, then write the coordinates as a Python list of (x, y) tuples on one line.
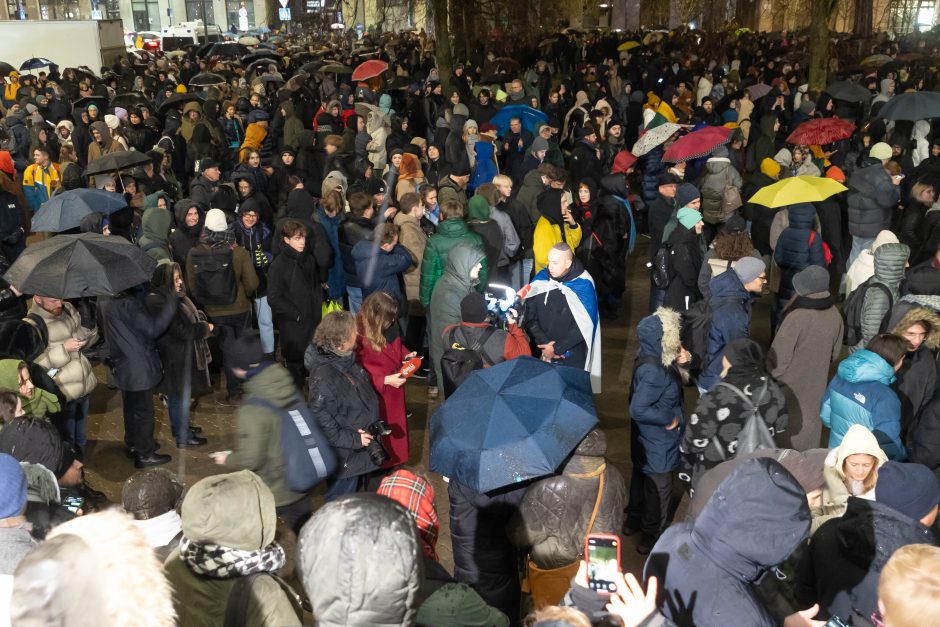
[(697, 144), (821, 131), (369, 69)]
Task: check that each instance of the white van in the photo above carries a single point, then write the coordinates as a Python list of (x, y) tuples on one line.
[(189, 34)]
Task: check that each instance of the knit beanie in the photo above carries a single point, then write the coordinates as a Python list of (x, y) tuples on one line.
[(749, 268), (245, 351), (12, 487), (911, 489), (688, 217), (770, 167), (473, 308), (112, 121), (807, 107), (880, 151), (461, 109), (539, 143), (686, 193), (215, 220), (811, 280)]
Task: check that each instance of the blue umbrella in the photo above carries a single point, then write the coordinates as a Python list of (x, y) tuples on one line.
[(35, 63), (65, 211), (531, 118), (510, 423)]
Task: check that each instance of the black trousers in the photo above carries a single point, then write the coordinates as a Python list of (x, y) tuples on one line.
[(139, 421), (296, 514), (231, 328), (650, 494)]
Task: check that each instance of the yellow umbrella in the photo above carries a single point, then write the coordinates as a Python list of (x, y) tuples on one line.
[(797, 189), (628, 45)]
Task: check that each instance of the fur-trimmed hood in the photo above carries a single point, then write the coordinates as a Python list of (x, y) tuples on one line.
[(658, 335), (932, 320)]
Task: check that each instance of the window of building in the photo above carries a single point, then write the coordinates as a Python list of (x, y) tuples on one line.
[(231, 12), (146, 15), (195, 8), (16, 9)]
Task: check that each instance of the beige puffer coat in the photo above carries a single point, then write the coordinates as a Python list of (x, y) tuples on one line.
[(75, 376)]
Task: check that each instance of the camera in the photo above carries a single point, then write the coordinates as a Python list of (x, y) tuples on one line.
[(376, 450), (499, 305)]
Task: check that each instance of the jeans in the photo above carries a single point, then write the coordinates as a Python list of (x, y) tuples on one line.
[(527, 264), (265, 324), (231, 328), (858, 245), (341, 486), (177, 407), (657, 296), (515, 275), (355, 298), (138, 421), (72, 426)]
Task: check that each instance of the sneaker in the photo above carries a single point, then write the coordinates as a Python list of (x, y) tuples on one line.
[(433, 392)]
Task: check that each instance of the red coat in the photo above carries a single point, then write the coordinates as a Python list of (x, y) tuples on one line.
[(391, 400)]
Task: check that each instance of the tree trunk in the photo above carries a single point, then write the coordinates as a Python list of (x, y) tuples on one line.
[(442, 51), (819, 43), (864, 13)]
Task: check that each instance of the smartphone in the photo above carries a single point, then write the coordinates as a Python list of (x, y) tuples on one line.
[(602, 553), (73, 503)]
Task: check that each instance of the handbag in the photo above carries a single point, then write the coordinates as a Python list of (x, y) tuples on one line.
[(548, 586)]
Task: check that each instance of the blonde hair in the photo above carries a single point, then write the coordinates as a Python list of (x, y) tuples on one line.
[(872, 477), (567, 615), (502, 180), (909, 586)]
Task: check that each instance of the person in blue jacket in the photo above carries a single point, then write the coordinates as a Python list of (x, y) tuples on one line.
[(380, 261), (730, 301), (656, 424), (861, 393)]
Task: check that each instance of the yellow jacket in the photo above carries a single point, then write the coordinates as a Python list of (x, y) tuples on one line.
[(547, 235)]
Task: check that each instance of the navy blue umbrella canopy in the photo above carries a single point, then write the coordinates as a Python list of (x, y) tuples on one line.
[(510, 423), (65, 211)]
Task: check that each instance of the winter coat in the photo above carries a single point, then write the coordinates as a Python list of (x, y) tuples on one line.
[(685, 262), (479, 222), (352, 231), (378, 365), (413, 239), (656, 393), (200, 600), (183, 237), (40, 183), (75, 377), (528, 193), (501, 346), (872, 199), (840, 570), (585, 163), (794, 252), (484, 557), (917, 378), (547, 234), (836, 491), (860, 393), (293, 127), (132, 337), (342, 399), (555, 511), (449, 233), (717, 557), (611, 223), (761, 143), (379, 271), (155, 239), (889, 261), (180, 342), (863, 268), (361, 532), (807, 341), (245, 278), (449, 290), (258, 242), (719, 174), (653, 166), (711, 436), (730, 319), (336, 276), (296, 300), (660, 210), (202, 190), (485, 167), (923, 436)]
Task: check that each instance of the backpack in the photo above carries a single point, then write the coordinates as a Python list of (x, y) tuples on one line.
[(697, 323), (852, 312), (214, 276), (717, 207), (660, 268), (754, 435), (308, 458), (236, 605), (461, 359)]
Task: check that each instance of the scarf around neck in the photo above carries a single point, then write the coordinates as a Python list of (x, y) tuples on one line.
[(221, 562)]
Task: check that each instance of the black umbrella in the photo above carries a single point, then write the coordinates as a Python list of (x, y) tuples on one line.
[(6, 68), (35, 63), (65, 211), (83, 72), (116, 161), (177, 99), (847, 90), (260, 66), (206, 79), (99, 101), (248, 59), (130, 100), (228, 50), (913, 105), (76, 266)]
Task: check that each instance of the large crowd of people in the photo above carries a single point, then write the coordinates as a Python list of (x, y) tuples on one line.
[(314, 236)]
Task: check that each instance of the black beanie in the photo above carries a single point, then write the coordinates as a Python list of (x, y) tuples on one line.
[(245, 352), (473, 308)]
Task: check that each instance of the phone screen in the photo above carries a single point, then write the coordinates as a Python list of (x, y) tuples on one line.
[(73, 503), (603, 563)]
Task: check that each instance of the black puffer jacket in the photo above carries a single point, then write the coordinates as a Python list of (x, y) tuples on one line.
[(183, 237), (342, 399), (871, 201), (132, 338), (840, 570), (554, 514), (484, 558), (296, 298)]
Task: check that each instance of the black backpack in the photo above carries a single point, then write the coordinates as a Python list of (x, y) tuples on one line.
[(660, 268), (462, 358), (697, 322), (852, 312), (308, 458), (214, 275)]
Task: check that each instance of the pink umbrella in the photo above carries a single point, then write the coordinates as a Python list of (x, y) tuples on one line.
[(697, 144), (369, 69)]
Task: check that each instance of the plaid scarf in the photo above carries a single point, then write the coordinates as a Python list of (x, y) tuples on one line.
[(221, 562), (417, 496)]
